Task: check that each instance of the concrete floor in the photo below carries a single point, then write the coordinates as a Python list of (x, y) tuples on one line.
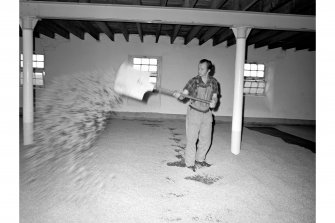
[(130, 177)]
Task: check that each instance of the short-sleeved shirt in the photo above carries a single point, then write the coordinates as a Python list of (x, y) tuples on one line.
[(192, 85)]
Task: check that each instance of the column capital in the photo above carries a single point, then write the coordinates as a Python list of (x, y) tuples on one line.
[(241, 31), (28, 22)]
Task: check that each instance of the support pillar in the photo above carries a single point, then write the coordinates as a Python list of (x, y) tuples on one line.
[(27, 25), (241, 34)]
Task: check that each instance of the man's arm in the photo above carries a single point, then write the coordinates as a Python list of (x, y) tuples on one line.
[(213, 101), (186, 90), (215, 95)]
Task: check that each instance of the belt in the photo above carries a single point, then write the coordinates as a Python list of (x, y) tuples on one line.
[(199, 110)]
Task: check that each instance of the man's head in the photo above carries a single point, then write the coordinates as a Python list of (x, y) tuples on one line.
[(204, 67)]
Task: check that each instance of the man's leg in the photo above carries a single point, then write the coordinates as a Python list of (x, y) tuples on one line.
[(192, 132), (205, 137)]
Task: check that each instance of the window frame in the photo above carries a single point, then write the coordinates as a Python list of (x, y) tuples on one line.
[(35, 70), (255, 79)]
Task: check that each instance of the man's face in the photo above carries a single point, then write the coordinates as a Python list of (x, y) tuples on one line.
[(202, 69)]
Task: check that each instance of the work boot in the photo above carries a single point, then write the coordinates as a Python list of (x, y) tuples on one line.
[(192, 168), (202, 164)]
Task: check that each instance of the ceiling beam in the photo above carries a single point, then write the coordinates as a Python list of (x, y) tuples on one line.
[(254, 33), (261, 36), (168, 15), (124, 31), (276, 38), (303, 46), (301, 37), (158, 32), (175, 33), (301, 6), (71, 28), (212, 31), (250, 5), (207, 35), (226, 34), (86, 26), (59, 30), (283, 45), (177, 27), (303, 40), (193, 3), (164, 2), (194, 31), (138, 25), (280, 5), (104, 27), (42, 30), (278, 44), (312, 48), (217, 4), (231, 41), (288, 46), (139, 29), (309, 43), (36, 34), (270, 7)]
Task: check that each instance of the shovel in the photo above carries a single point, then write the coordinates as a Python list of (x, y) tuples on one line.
[(134, 83)]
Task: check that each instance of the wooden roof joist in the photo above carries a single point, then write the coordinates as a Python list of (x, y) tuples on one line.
[(166, 15)]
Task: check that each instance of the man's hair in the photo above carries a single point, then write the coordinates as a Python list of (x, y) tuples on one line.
[(208, 62)]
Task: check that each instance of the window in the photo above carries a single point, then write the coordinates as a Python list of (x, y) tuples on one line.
[(38, 70), (150, 64), (254, 79)]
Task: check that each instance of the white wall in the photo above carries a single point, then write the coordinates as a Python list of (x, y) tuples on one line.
[(290, 75)]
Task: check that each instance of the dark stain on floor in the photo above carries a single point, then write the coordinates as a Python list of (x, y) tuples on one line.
[(291, 139), (152, 124), (176, 140), (176, 195), (180, 163), (153, 121), (204, 179), (179, 156), (173, 219), (179, 146), (169, 179), (176, 134)]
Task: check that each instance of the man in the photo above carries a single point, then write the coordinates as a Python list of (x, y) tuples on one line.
[(199, 116)]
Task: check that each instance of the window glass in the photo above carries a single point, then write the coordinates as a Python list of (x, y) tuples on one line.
[(254, 79)]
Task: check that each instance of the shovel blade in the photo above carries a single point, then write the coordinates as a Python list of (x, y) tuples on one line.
[(131, 82)]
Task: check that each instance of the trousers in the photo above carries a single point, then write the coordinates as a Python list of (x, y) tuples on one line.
[(198, 126)]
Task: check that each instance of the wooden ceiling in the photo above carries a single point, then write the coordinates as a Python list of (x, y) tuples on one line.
[(258, 37)]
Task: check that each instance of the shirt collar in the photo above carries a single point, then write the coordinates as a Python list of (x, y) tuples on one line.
[(200, 79)]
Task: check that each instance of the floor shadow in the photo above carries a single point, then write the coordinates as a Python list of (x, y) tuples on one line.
[(291, 139)]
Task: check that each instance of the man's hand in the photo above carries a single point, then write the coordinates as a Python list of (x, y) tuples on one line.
[(176, 94), (212, 104), (213, 101)]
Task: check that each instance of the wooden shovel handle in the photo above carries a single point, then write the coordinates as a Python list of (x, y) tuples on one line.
[(170, 92)]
